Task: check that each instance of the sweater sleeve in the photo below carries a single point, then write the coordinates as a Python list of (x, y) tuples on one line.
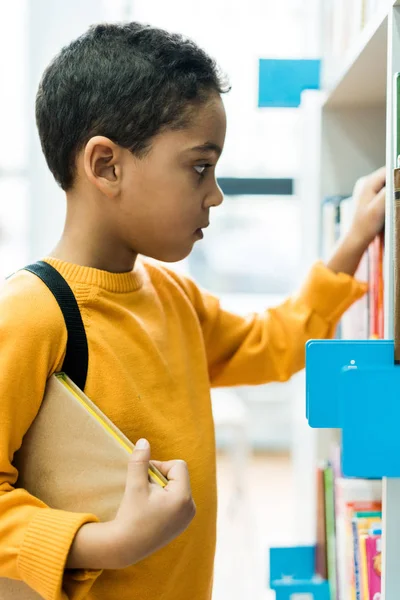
[(270, 346), (35, 539)]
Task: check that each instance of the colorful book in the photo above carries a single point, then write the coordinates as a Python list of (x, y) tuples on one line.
[(374, 566), (352, 496), (360, 528)]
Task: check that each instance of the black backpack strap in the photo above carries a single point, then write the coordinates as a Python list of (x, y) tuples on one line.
[(77, 354)]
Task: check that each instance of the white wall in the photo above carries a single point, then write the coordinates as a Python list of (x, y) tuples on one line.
[(64, 21)]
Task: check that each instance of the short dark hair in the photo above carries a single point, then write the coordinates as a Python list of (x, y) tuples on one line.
[(127, 82)]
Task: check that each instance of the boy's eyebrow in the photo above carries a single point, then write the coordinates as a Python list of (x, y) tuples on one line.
[(208, 147)]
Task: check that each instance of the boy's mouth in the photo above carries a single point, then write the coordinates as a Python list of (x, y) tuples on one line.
[(199, 232)]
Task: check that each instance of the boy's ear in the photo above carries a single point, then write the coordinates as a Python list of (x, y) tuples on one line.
[(102, 165)]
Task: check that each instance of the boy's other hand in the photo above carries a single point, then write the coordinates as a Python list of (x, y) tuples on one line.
[(150, 516), (369, 217)]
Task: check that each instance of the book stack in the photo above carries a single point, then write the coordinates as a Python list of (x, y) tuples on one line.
[(343, 21), (364, 320), (349, 530)]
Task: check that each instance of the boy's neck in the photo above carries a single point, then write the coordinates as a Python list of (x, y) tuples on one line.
[(88, 239), (89, 255)]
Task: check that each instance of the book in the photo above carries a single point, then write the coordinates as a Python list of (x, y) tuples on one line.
[(360, 528), (352, 496), (365, 318), (331, 230), (71, 450), (355, 321), (342, 23), (374, 566), (354, 527), (321, 567), (356, 587), (376, 287), (330, 529), (363, 566), (349, 510), (154, 473), (331, 220), (349, 21)]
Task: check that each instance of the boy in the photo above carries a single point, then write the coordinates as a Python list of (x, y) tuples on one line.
[(132, 125)]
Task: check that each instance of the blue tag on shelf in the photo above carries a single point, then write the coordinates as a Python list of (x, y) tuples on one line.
[(325, 360), (292, 574), (282, 81), (370, 414)]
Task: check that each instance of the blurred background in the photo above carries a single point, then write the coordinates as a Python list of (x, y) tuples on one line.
[(252, 254)]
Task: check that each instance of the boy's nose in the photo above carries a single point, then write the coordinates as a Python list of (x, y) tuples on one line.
[(214, 198)]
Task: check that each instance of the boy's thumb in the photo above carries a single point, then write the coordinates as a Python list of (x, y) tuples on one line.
[(139, 464)]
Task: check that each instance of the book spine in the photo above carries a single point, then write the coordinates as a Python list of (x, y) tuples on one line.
[(330, 530), (363, 567), (372, 253), (320, 553), (356, 560), (374, 567), (376, 288), (380, 307)]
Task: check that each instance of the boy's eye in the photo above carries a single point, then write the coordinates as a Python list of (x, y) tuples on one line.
[(201, 169)]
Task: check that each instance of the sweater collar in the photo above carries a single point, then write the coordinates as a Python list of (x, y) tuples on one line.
[(113, 282)]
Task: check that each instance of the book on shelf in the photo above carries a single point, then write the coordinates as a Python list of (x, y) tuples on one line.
[(342, 23), (330, 218), (364, 525), (321, 566), (330, 526), (350, 514), (355, 322), (374, 565), (363, 320), (376, 286), (331, 228)]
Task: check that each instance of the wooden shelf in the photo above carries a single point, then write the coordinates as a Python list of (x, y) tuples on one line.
[(362, 81)]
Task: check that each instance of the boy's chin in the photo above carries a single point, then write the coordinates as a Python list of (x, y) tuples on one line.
[(172, 255)]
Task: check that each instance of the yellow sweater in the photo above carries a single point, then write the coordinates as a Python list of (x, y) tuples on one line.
[(156, 344)]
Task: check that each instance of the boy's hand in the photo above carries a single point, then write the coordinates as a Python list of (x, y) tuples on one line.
[(368, 221), (369, 217), (149, 517)]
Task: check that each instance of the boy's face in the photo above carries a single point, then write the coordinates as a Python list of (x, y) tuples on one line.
[(165, 197)]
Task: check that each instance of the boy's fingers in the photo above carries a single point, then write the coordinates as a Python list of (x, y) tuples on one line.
[(378, 179), (380, 196), (138, 466), (378, 202), (175, 471)]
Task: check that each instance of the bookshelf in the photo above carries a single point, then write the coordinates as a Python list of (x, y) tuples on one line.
[(360, 78), (347, 132)]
